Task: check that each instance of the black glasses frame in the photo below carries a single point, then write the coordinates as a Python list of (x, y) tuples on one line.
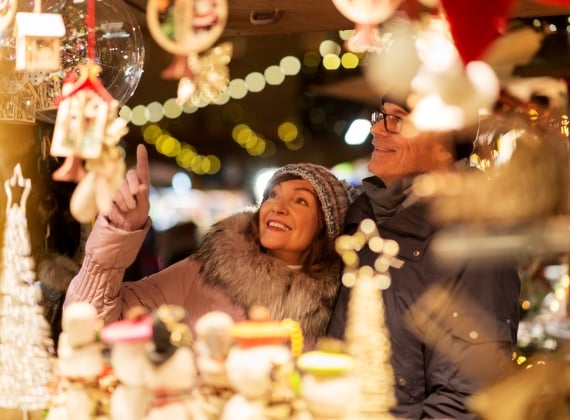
[(392, 123)]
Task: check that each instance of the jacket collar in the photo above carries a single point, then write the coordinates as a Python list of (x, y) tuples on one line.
[(408, 221)]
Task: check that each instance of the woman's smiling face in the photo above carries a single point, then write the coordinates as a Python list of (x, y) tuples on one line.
[(289, 220)]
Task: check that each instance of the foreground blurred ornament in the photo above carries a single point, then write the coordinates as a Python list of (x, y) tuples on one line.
[(26, 359), (7, 12), (187, 29), (448, 95), (38, 41), (475, 25), (118, 46), (87, 128), (367, 336), (172, 372), (367, 15), (210, 75), (212, 345), (260, 367), (518, 204), (79, 364), (129, 339), (538, 391), (328, 383)]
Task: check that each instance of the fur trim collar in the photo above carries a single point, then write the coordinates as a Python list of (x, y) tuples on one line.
[(233, 261)]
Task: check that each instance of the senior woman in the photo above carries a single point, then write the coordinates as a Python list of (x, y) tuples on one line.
[(279, 255)]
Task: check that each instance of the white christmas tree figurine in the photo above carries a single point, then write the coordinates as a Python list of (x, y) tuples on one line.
[(367, 336), (26, 346)]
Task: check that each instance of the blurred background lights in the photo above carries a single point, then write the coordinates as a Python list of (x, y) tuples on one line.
[(290, 65), (287, 131), (237, 88), (181, 182), (349, 60), (329, 47), (357, 132), (155, 111), (140, 115), (260, 182), (331, 62), (255, 82), (172, 109), (274, 75), (311, 59)]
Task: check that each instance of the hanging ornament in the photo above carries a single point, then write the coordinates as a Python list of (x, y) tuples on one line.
[(187, 29), (367, 15), (182, 27), (367, 336), (448, 95), (118, 46), (209, 75), (7, 12), (88, 129), (38, 39), (475, 25)]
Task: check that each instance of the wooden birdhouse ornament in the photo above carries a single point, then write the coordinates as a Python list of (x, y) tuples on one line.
[(38, 39)]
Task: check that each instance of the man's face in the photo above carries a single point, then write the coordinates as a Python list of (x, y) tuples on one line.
[(403, 154)]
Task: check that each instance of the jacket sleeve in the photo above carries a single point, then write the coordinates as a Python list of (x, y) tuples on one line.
[(108, 253)]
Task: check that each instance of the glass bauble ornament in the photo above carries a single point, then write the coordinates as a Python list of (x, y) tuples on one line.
[(119, 46)]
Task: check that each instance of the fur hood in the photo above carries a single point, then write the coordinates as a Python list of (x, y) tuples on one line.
[(233, 261)]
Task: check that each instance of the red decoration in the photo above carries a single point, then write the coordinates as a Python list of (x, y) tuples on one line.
[(475, 24)]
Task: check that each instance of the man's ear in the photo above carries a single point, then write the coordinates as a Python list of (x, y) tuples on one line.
[(443, 153)]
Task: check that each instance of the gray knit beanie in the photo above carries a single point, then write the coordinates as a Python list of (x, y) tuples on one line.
[(334, 195)]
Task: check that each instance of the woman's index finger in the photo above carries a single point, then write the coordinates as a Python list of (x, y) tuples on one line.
[(142, 165)]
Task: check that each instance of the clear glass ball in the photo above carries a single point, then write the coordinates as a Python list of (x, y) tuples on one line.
[(119, 46)]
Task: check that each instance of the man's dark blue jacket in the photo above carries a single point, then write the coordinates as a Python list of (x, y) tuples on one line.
[(444, 345)]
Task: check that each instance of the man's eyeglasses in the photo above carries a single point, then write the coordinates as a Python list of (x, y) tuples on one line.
[(392, 123)]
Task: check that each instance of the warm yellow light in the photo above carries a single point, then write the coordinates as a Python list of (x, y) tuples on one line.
[(290, 65), (140, 115), (274, 75), (155, 111), (172, 109), (287, 131), (151, 132), (329, 47), (331, 62), (255, 82), (349, 60), (237, 88)]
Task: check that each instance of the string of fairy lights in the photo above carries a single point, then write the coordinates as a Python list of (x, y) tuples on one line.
[(330, 56)]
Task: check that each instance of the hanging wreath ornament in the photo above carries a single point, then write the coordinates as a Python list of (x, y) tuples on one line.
[(88, 130), (187, 29)]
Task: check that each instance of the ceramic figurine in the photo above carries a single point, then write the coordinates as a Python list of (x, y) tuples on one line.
[(172, 374), (128, 339), (259, 367), (212, 345), (80, 362), (328, 386)]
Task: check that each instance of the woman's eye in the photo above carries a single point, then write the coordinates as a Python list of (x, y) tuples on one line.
[(301, 200)]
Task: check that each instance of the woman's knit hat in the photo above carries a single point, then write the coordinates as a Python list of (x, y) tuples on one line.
[(334, 195)]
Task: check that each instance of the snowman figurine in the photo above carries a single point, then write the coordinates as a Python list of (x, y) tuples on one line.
[(212, 345), (128, 339), (172, 374), (80, 362), (328, 386), (259, 367)]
